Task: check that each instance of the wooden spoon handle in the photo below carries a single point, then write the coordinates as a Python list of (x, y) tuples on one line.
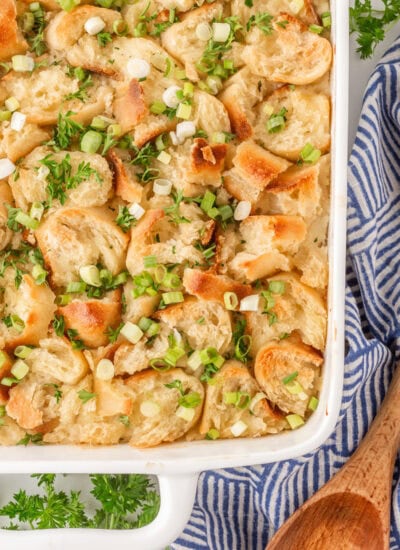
[(370, 469)]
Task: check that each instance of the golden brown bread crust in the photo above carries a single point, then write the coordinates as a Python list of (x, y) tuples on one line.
[(5, 371), (92, 318), (125, 185), (278, 360), (11, 39), (209, 286), (207, 161), (129, 107)]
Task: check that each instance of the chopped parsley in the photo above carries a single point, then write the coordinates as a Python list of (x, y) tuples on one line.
[(124, 219), (85, 395), (261, 20), (85, 83), (173, 211), (143, 157), (103, 38), (65, 131), (59, 325)]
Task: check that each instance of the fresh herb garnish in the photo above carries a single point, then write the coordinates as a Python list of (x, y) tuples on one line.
[(103, 38), (61, 177), (173, 211), (81, 93), (57, 392), (119, 497), (113, 333), (76, 343), (85, 395), (59, 325), (371, 24), (18, 259), (261, 20), (65, 131), (36, 439), (33, 24), (124, 219), (143, 157)]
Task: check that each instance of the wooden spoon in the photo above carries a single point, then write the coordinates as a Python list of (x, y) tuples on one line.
[(352, 511)]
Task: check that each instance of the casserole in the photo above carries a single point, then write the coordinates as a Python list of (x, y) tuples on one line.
[(178, 464)]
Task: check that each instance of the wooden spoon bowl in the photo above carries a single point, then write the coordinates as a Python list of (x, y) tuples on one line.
[(352, 511)]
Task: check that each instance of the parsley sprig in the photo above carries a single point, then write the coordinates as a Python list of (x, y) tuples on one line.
[(370, 24), (124, 501), (20, 259), (62, 177), (33, 24), (261, 20)]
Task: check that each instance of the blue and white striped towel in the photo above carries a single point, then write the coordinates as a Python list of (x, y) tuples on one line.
[(241, 508)]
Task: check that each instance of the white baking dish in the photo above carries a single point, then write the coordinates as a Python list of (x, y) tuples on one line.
[(178, 465)]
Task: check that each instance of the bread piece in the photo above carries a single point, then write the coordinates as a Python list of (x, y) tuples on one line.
[(307, 13), (42, 95), (215, 331), (126, 185), (253, 170), (15, 145), (291, 53), (240, 95), (300, 308), (74, 237), (11, 40), (268, 243), (92, 317), (5, 198), (277, 361), (111, 398), (296, 192), (180, 39), (31, 186), (235, 377), (209, 113), (34, 305), (135, 308), (176, 241), (209, 286), (56, 358), (165, 425), (10, 433), (307, 121), (129, 358)]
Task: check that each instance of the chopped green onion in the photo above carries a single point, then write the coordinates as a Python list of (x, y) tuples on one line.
[(218, 137), (276, 122), (326, 19), (211, 355), (310, 154), (68, 5), (157, 107), (17, 323), (159, 365), (180, 74), (37, 210), (160, 145), (294, 421), (294, 387), (131, 332), (207, 201), (2, 411), (12, 104), (26, 220), (5, 115), (3, 358), (316, 29), (237, 398), (165, 158), (190, 400), (225, 211), (171, 280), (172, 297), (99, 123), (114, 130), (212, 434), (144, 323), (39, 274), (185, 413), (149, 409), (91, 142), (20, 369), (63, 299), (120, 27), (277, 287), (184, 111), (76, 287), (22, 351), (153, 330), (159, 273), (188, 89), (231, 301), (194, 361), (105, 369), (242, 347), (7, 381), (90, 274), (22, 63), (149, 261), (173, 355), (290, 377), (120, 279), (313, 403)]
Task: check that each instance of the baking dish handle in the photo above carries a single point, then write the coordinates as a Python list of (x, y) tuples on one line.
[(177, 498)]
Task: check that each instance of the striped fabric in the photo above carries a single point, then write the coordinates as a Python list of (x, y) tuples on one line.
[(240, 508)]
